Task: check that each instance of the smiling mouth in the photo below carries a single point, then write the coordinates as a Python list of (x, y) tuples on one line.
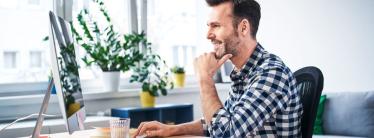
[(216, 42)]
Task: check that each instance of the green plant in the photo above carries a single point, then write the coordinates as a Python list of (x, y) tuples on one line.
[(105, 47), (177, 69), (153, 74)]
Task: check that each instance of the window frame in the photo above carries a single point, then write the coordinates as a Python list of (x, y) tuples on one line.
[(14, 54), (64, 10), (91, 85), (39, 55)]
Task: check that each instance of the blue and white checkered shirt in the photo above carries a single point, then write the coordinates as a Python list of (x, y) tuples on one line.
[(263, 102)]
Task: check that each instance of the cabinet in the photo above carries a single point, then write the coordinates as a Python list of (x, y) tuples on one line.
[(165, 113)]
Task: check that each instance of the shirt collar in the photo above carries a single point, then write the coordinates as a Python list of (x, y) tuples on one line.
[(249, 66)]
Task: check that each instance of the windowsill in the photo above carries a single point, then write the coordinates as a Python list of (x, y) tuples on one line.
[(99, 94)]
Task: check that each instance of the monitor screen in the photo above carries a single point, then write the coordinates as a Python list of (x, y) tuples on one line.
[(226, 70), (65, 73)]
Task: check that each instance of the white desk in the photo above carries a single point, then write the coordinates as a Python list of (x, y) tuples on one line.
[(50, 126), (91, 134)]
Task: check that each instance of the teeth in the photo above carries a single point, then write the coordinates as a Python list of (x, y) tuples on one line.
[(216, 43)]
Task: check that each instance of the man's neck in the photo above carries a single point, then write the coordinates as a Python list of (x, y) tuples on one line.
[(245, 51)]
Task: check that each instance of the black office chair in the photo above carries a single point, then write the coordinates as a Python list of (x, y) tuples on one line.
[(310, 85)]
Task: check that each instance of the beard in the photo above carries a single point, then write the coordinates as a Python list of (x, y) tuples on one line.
[(227, 46)]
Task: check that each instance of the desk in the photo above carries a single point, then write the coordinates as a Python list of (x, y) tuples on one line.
[(91, 132)]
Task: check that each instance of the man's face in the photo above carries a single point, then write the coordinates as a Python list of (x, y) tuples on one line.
[(221, 31)]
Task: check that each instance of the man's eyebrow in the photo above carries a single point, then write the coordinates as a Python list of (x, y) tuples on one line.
[(213, 23)]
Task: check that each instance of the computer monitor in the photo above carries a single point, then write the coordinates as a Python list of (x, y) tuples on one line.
[(65, 74), (226, 69)]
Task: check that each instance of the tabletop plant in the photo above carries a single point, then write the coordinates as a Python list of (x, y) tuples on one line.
[(177, 70), (179, 76), (153, 74)]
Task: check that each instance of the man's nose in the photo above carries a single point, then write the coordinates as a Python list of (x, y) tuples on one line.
[(210, 35)]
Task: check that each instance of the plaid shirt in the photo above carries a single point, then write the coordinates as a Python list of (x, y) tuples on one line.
[(263, 102)]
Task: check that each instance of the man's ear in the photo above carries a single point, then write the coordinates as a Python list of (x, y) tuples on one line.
[(244, 27)]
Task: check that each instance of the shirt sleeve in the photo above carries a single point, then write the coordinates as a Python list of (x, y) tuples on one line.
[(205, 127), (265, 95)]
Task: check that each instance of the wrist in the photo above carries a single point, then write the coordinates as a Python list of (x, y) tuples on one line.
[(206, 80), (176, 130)]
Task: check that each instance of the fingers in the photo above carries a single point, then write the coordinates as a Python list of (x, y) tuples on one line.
[(138, 130), (223, 59), (207, 63), (153, 133), (145, 127), (148, 127)]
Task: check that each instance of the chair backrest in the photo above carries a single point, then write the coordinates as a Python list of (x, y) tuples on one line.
[(310, 85)]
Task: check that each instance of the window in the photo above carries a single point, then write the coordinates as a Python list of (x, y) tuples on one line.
[(34, 2), (35, 59), (24, 56), (173, 27), (10, 60), (118, 11), (6, 4), (21, 46)]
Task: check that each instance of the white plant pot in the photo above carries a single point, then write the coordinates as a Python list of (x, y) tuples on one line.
[(111, 81)]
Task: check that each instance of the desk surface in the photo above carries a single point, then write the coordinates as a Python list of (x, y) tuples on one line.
[(91, 134)]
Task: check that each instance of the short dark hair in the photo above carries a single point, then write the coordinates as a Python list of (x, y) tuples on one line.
[(243, 9)]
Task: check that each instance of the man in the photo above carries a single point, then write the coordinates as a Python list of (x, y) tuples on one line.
[(263, 101)]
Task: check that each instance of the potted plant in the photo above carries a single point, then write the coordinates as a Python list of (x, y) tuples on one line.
[(105, 47), (154, 77), (179, 76)]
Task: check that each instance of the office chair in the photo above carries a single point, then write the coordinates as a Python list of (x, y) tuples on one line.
[(310, 85)]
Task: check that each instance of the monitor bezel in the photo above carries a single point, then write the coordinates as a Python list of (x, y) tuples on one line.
[(76, 121)]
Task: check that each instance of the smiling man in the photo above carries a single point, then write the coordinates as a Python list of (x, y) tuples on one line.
[(263, 101)]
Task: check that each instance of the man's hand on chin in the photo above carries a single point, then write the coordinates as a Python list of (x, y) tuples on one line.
[(206, 66)]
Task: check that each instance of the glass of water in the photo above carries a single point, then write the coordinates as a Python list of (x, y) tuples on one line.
[(119, 128)]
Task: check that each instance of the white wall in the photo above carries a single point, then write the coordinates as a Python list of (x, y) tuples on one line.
[(337, 36)]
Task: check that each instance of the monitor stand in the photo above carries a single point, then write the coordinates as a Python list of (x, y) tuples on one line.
[(43, 109)]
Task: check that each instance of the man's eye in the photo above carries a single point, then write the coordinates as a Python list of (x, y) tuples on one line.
[(215, 25)]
